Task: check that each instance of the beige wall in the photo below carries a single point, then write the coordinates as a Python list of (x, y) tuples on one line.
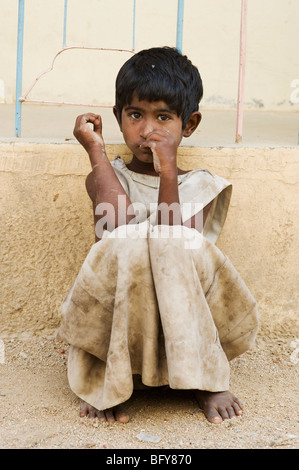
[(211, 40), (46, 228), (46, 225)]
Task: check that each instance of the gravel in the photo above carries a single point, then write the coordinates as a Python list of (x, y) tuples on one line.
[(39, 411)]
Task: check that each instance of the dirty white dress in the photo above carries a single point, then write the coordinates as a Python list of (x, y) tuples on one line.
[(161, 302)]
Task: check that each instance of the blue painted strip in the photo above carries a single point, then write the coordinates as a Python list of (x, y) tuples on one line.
[(180, 22), (18, 109), (64, 23)]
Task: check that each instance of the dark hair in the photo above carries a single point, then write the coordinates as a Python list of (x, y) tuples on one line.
[(160, 73)]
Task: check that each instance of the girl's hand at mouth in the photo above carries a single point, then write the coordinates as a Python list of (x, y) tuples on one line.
[(164, 150)]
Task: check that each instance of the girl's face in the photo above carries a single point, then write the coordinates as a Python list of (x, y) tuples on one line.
[(140, 118)]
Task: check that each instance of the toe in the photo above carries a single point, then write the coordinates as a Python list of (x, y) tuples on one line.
[(110, 415), (213, 416), (84, 410), (121, 416), (92, 413), (102, 416), (237, 408), (87, 410), (231, 411), (223, 411), (239, 403)]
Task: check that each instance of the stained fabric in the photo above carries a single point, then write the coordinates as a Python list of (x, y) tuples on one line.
[(157, 301)]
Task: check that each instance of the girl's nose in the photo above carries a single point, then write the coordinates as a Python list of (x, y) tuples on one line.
[(146, 128)]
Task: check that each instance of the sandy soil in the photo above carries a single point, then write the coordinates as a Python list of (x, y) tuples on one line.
[(38, 410)]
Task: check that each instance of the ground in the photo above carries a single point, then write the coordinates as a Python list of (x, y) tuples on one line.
[(38, 410)]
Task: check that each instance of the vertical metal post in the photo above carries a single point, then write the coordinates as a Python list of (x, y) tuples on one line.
[(134, 18), (240, 103), (18, 108), (179, 29), (64, 23)]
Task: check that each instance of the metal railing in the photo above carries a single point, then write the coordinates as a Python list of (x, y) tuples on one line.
[(21, 99), (179, 44), (24, 98)]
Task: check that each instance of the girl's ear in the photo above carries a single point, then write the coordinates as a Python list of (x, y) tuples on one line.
[(117, 118), (192, 124)]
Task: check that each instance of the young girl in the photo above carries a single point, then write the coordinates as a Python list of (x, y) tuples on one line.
[(155, 298)]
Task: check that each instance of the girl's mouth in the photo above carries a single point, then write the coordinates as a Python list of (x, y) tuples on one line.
[(144, 149)]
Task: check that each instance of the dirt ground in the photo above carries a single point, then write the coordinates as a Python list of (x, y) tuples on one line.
[(38, 410)]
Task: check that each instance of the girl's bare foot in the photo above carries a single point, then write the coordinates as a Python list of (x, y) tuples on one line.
[(218, 406), (106, 416)]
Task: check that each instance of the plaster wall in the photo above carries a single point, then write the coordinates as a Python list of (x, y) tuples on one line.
[(46, 227)]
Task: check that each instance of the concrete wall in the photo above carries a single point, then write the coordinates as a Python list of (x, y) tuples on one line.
[(46, 227), (211, 40)]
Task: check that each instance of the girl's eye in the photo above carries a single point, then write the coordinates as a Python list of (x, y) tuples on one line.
[(163, 117), (135, 115)]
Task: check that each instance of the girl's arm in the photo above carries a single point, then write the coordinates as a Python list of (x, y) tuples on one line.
[(169, 210), (164, 152), (109, 198)]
